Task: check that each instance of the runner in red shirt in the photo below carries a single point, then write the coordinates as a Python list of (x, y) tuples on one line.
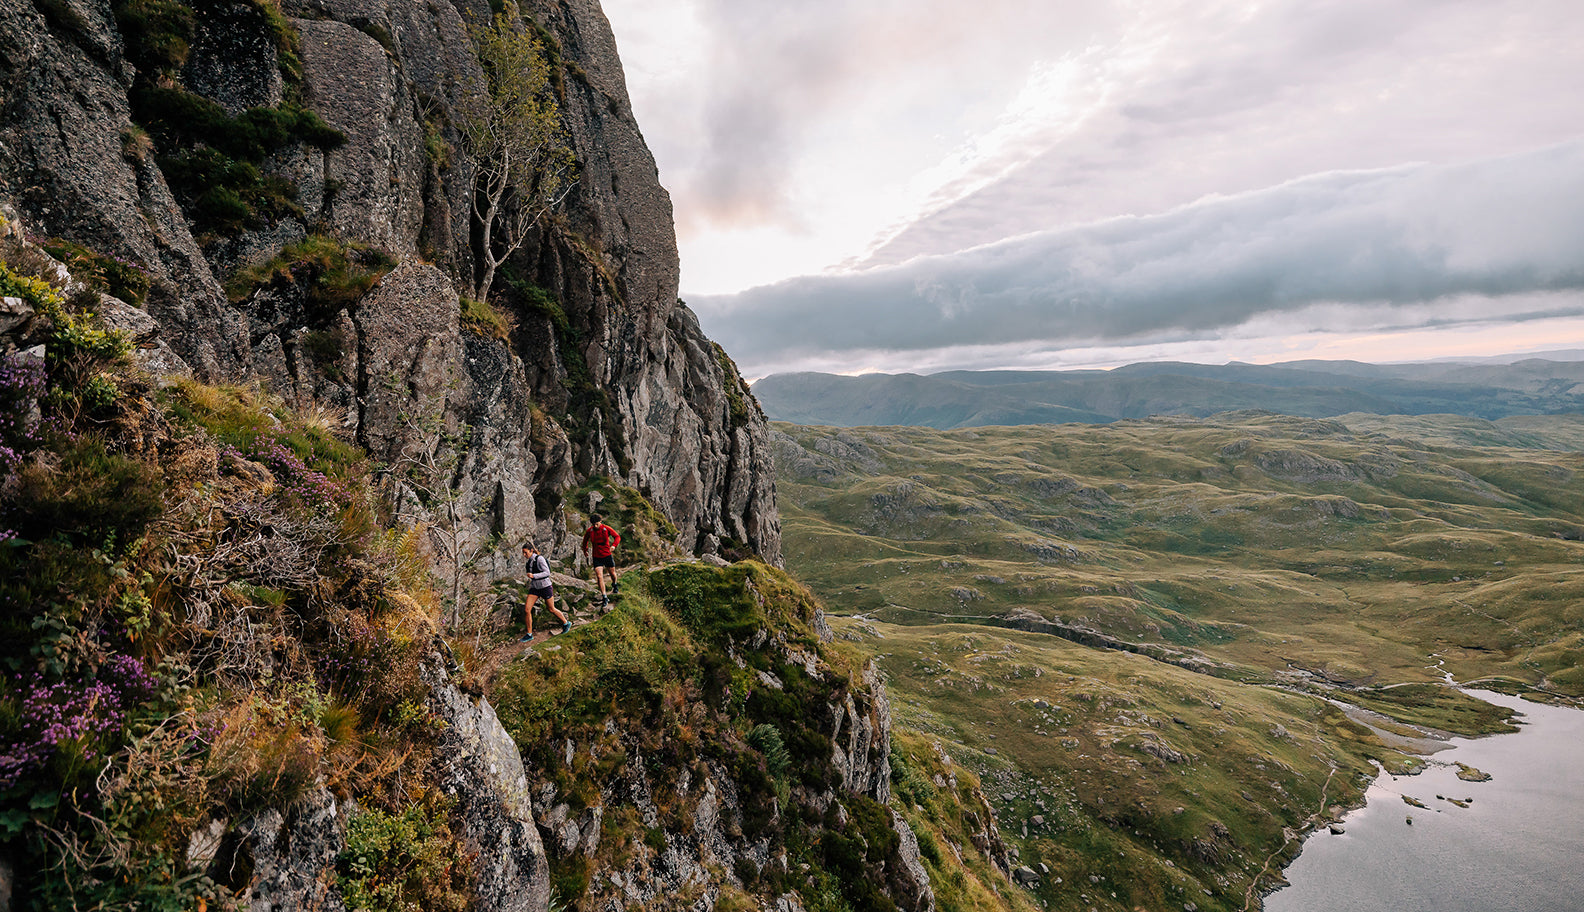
[(603, 540)]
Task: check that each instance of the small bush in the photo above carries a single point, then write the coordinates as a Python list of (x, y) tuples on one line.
[(394, 862), (78, 346), (158, 33), (911, 785), (569, 878), (113, 275), (90, 497), (766, 739), (36, 292), (65, 727), (224, 196), (369, 668)]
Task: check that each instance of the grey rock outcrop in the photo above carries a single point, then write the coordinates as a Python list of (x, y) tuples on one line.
[(232, 58), (287, 857), (911, 877), (861, 740), (477, 762), (698, 840), (378, 175), (624, 385)]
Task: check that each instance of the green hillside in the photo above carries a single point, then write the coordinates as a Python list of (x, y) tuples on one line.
[(1182, 642), (1257, 544)]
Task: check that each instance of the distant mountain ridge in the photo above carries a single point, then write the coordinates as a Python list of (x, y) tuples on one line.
[(1312, 389)]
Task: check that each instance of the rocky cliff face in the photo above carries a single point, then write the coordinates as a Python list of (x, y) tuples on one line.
[(605, 373)]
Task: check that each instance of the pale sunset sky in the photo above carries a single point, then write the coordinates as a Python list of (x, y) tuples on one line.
[(922, 185)]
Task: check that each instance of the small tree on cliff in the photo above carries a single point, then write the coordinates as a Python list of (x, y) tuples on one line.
[(511, 129)]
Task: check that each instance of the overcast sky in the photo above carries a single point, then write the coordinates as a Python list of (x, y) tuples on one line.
[(918, 185)]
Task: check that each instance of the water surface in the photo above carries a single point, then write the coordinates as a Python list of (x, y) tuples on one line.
[(1518, 847)]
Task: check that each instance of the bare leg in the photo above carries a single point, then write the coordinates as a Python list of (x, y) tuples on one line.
[(529, 611), (550, 603)]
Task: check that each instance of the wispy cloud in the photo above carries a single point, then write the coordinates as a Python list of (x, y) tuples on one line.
[(1415, 245), (1195, 99), (798, 136)]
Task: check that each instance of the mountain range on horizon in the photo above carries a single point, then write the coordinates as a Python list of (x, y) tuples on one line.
[(1487, 388)]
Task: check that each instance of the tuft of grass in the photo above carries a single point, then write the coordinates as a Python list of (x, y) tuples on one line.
[(242, 417), (766, 739), (486, 319), (334, 274)]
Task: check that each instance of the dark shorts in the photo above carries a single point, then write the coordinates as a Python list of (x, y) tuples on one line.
[(547, 593), (608, 560)]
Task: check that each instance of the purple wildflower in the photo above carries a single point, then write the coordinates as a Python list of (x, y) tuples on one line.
[(87, 715)]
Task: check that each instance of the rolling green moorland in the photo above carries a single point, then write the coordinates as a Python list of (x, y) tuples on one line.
[(1171, 646)]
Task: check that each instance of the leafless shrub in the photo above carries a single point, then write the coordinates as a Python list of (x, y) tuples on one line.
[(273, 547)]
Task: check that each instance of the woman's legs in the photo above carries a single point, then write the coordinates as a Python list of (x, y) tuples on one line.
[(528, 610)]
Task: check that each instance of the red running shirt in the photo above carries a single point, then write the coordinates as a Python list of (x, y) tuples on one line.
[(603, 538)]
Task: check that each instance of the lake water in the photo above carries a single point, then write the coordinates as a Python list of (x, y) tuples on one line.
[(1519, 847)]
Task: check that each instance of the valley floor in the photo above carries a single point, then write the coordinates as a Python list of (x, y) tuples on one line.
[(1181, 643)]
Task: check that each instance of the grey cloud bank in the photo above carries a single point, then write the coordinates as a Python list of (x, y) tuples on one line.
[(1396, 241)]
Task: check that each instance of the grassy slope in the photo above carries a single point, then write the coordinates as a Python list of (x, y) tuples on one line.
[(1270, 544), (1266, 550)]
